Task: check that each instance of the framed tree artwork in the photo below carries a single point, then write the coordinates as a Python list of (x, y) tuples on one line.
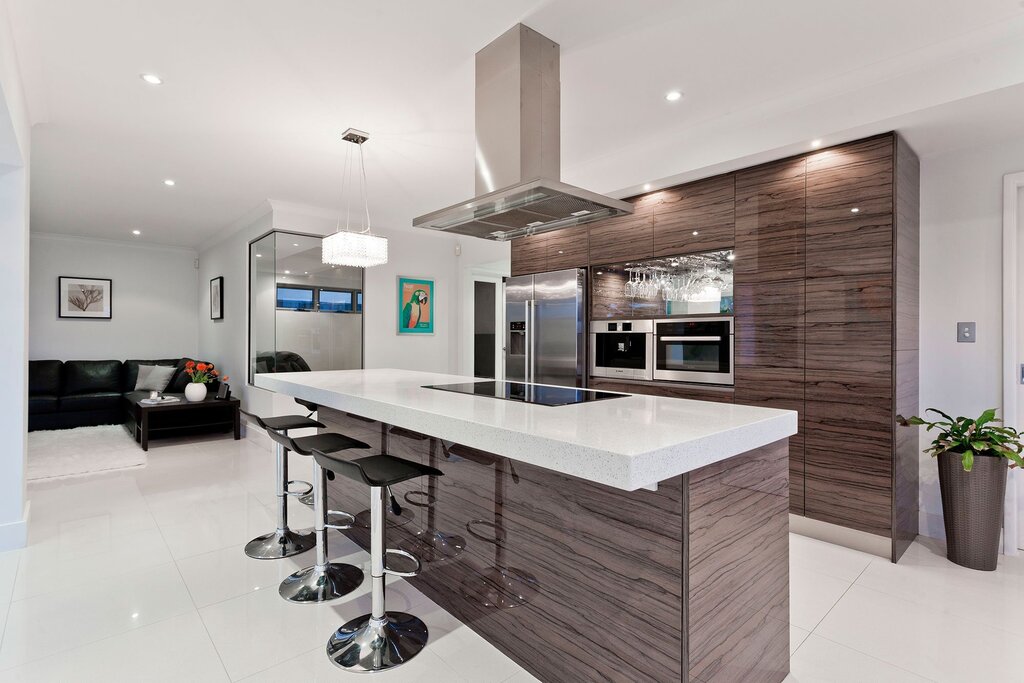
[(84, 297), (217, 298)]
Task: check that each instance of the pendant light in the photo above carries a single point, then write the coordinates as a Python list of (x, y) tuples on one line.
[(361, 249)]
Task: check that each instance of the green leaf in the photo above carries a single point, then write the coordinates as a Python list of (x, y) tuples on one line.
[(979, 445), (968, 460), (987, 416), (936, 410)]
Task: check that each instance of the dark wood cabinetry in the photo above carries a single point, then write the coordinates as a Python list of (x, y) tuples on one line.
[(529, 254), (555, 250), (695, 217), (826, 306)]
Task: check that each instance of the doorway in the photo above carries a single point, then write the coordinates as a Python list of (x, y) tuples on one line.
[(487, 357)]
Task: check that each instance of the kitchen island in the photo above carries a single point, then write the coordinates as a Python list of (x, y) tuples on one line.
[(633, 538)]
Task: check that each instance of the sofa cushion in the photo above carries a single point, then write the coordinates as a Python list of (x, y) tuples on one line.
[(98, 400), (42, 403), (154, 377), (131, 370), (44, 377), (92, 376)]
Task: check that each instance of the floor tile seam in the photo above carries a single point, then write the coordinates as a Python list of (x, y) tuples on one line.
[(868, 655), (188, 591)]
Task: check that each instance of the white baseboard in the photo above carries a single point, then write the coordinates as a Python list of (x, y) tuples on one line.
[(840, 535), (14, 535)]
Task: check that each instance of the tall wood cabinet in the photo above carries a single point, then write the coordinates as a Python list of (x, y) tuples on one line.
[(826, 310)]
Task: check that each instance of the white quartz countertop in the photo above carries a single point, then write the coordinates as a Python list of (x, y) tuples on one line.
[(628, 443)]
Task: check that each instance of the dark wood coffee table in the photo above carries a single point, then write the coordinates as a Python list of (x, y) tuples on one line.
[(181, 417)]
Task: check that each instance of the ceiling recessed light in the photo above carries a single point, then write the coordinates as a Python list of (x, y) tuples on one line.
[(673, 95), (287, 272), (855, 210), (169, 183), (259, 255), (647, 186), (136, 232), (815, 144), (295, 244), (152, 79), (306, 272)]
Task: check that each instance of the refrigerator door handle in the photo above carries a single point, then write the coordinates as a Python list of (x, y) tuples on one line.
[(528, 368)]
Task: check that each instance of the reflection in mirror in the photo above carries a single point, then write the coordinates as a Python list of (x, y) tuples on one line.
[(305, 315)]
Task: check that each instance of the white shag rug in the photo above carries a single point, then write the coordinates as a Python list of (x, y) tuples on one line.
[(62, 453)]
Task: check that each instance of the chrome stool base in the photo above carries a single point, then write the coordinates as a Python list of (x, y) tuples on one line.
[(320, 584), (275, 545), (363, 646)]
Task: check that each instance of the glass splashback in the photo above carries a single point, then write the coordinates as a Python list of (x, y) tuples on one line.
[(691, 284), (304, 315)]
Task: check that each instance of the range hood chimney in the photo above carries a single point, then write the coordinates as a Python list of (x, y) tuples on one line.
[(518, 107)]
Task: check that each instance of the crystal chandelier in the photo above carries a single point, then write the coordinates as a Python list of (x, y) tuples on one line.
[(361, 248)]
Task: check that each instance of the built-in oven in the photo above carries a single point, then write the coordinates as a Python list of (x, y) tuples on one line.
[(622, 348), (694, 350)]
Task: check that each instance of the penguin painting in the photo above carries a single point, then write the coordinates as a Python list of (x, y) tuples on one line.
[(419, 297)]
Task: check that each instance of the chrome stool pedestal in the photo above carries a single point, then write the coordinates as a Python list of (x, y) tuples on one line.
[(324, 580), (380, 640), (283, 541)]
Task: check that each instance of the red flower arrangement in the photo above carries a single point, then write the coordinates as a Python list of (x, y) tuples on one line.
[(202, 373)]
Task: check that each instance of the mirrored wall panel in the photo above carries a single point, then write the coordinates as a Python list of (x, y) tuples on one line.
[(304, 315)]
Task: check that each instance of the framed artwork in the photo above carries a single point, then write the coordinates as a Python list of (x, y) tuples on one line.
[(415, 306), (217, 298), (84, 297)]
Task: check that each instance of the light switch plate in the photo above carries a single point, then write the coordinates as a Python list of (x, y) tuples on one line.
[(965, 333)]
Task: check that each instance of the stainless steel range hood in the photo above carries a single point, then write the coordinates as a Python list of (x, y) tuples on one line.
[(517, 148)]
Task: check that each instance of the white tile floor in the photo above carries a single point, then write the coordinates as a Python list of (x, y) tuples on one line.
[(139, 576)]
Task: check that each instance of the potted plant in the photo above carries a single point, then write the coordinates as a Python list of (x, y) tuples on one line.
[(201, 374), (973, 459)]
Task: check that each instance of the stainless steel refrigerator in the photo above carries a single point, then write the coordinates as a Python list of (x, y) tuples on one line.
[(545, 328)]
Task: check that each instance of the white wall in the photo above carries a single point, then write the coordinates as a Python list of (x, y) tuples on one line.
[(153, 312), (14, 270), (961, 280), (418, 253)]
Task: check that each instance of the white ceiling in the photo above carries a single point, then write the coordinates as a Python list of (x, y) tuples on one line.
[(256, 93)]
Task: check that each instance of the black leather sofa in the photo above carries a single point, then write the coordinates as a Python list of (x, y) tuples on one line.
[(80, 393)]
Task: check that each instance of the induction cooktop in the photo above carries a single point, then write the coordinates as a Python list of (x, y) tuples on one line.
[(538, 394)]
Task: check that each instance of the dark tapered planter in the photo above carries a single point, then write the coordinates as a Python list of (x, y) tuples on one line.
[(972, 508)]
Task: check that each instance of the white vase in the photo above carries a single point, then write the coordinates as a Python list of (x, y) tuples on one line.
[(195, 391)]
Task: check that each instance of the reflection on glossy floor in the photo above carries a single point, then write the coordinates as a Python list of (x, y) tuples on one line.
[(140, 575)]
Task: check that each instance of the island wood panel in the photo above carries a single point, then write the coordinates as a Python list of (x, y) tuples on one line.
[(737, 616), (624, 238), (692, 392), (695, 217), (567, 248), (529, 254), (600, 568), (770, 222)]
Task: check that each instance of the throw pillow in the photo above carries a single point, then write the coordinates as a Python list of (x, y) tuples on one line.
[(154, 377)]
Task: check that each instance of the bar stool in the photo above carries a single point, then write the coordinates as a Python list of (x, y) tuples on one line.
[(324, 580), (379, 640), (282, 542)]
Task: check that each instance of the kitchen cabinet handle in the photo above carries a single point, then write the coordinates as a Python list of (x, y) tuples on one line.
[(690, 339)]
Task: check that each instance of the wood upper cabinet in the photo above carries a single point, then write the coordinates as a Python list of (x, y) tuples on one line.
[(695, 217), (567, 248), (624, 238), (529, 254), (770, 222)]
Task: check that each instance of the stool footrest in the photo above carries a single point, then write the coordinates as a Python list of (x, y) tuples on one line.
[(407, 555), (340, 527), (307, 488)]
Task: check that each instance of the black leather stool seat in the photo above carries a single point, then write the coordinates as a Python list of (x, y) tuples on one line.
[(325, 443), (290, 422), (376, 470)]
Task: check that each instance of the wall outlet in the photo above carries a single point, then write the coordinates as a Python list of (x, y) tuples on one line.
[(965, 333)]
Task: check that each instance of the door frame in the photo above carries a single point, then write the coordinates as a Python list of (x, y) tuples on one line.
[(1013, 184), (499, 323)]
